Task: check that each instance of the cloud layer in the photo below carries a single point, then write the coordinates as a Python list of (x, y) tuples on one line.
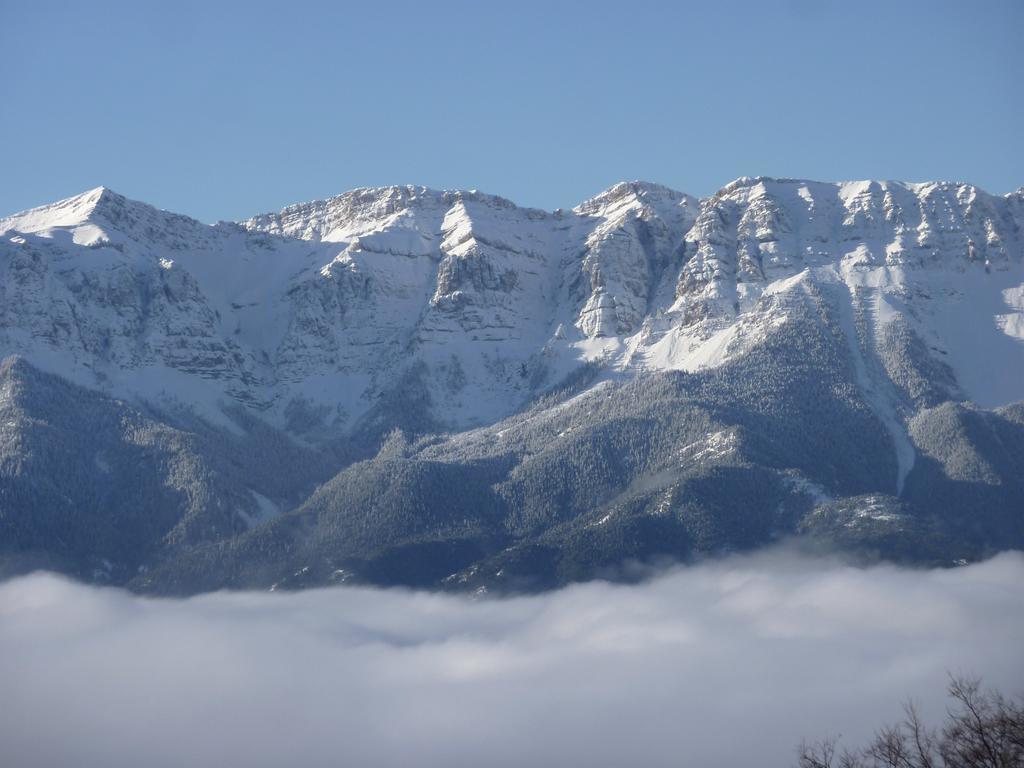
[(726, 664)]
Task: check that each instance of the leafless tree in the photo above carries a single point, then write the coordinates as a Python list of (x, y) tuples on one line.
[(825, 754), (983, 729)]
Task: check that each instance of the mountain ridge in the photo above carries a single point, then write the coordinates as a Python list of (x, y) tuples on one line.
[(405, 333), (610, 277), (103, 192)]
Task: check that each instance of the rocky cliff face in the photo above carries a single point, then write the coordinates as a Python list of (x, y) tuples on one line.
[(756, 231), (321, 308), (404, 385)]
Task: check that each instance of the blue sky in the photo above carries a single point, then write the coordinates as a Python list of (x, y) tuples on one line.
[(222, 110)]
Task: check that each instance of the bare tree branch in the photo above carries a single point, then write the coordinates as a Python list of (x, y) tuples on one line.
[(983, 729)]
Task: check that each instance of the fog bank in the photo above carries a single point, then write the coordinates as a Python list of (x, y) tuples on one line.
[(731, 663)]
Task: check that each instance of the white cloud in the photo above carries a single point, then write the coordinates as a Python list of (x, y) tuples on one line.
[(726, 664)]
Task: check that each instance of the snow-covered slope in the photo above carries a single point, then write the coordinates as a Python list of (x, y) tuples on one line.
[(314, 315), (411, 386), (943, 259)]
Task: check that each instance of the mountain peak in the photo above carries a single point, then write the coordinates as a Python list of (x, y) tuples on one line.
[(357, 211), (101, 214), (633, 193), (69, 212)]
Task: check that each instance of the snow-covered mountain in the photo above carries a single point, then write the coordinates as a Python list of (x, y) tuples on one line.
[(439, 312), (312, 311), (945, 259)]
